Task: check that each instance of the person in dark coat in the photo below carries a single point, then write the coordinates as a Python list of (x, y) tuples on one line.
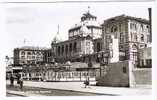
[(18, 78), (11, 80), (21, 83)]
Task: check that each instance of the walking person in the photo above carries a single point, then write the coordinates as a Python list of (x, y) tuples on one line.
[(86, 82), (11, 80), (21, 83), (18, 78)]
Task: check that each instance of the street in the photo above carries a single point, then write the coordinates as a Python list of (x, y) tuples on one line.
[(47, 92), (34, 88)]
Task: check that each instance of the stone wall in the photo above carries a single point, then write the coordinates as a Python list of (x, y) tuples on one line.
[(124, 74), (115, 74), (143, 76)]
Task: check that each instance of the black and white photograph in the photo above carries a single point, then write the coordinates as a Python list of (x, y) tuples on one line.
[(78, 49)]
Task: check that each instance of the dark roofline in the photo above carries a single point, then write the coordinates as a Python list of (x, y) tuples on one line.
[(71, 40), (88, 26), (75, 28), (31, 48), (123, 16), (92, 26), (88, 15)]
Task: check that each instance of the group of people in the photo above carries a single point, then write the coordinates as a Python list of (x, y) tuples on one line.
[(19, 80)]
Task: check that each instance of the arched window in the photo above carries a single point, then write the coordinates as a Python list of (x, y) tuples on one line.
[(98, 47), (62, 49), (28, 53), (142, 37), (66, 49), (75, 47), (70, 47), (22, 53), (115, 29), (58, 50), (135, 36), (112, 29)]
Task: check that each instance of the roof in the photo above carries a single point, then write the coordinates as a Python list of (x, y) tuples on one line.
[(88, 15), (88, 26), (123, 16), (32, 48), (75, 28)]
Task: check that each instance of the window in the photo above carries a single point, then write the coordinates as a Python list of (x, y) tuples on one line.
[(121, 37), (124, 70), (135, 36), (112, 29), (62, 49), (130, 25), (75, 47), (70, 47), (135, 26), (33, 52), (142, 62), (59, 50), (148, 62), (142, 27), (98, 47), (28, 53), (148, 38), (22, 53), (120, 27), (142, 37), (33, 57), (22, 57), (111, 41), (66, 49), (111, 53), (131, 35), (134, 54)]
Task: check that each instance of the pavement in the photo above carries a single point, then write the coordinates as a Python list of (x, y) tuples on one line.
[(79, 87)]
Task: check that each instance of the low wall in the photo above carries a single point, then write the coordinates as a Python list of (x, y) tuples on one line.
[(143, 76), (116, 74)]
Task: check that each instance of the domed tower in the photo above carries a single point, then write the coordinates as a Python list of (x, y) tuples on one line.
[(88, 26), (57, 38)]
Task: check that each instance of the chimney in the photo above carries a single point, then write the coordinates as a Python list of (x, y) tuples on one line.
[(150, 21)]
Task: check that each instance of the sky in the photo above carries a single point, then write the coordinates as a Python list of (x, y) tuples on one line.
[(37, 24)]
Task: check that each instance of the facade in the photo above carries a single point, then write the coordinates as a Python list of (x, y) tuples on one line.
[(80, 42), (109, 52), (87, 26), (28, 55), (123, 36), (145, 59)]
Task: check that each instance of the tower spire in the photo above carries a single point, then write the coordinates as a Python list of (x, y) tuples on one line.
[(58, 29)]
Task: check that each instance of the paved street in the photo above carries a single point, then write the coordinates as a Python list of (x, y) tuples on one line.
[(36, 91), (74, 89)]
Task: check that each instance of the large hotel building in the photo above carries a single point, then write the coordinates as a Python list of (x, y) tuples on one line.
[(121, 44)]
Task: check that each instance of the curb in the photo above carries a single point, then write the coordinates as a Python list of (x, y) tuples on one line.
[(22, 95)]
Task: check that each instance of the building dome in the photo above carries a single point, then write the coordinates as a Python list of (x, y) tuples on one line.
[(84, 29), (57, 39)]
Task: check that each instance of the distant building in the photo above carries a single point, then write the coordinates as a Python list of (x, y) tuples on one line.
[(129, 33), (28, 55)]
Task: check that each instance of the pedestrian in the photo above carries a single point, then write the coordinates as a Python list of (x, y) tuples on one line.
[(86, 82), (11, 80), (18, 78), (21, 83)]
